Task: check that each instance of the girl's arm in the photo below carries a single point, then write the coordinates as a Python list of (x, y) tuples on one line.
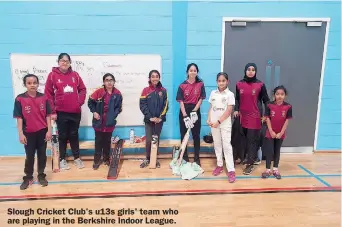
[(118, 106), (18, 114), (82, 90), (143, 105), (268, 122), (50, 93), (237, 99), (264, 96), (165, 106), (226, 113), (180, 99), (288, 117)]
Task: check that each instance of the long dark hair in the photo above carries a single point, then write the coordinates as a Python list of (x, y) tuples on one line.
[(187, 71), (150, 75), (281, 87), (107, 75)]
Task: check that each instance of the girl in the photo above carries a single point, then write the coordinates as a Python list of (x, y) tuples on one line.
[(32, 111), (105, 104), (221, 102), (277, 114), (250, 92), (190, 96), (154, 105), (66, 92)]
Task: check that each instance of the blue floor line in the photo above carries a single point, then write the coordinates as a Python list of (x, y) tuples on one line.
[(169, 179), (315, 176)]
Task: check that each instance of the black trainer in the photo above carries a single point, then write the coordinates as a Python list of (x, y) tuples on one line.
[(42, 181), (248, 170), (25, 184), (145, 163), (96, 166), (158, 164)]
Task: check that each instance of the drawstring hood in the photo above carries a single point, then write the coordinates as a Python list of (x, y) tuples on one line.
[(250, 79)]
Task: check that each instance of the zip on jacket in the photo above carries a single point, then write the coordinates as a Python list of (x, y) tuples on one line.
[(96, 103), (154, 102)]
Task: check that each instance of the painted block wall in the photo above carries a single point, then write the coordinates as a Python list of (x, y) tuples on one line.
[(181, 32), (204, 37)]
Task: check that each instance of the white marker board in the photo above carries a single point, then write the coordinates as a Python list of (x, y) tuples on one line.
[(130, 71)]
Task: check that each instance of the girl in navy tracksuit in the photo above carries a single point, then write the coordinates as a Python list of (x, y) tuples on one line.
[(154, 105), (105, 104)]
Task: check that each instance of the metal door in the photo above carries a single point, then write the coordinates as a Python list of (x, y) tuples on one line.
[(286, 53)]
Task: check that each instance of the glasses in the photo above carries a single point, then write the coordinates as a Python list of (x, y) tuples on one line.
[(64, 61), (109, 81)]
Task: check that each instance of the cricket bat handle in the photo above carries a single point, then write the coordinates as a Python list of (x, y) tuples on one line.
[(183, 146)]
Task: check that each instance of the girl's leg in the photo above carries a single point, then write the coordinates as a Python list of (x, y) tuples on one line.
[(30, 150), (183, 130), (74, 124), (98, 149), (252, 149), (228, 153), (106, 142), (195, 131), (216, 133), (62, 124), (157, 130), (277, 146), (41, 156), (148, 131), (268, 151)]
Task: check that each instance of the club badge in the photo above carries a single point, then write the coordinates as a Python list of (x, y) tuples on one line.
[(27, 109), (283, 113), (224, 100), (253, 92), (160, 94), (41, 106), (272, 113), (73, 79), (241, 91)]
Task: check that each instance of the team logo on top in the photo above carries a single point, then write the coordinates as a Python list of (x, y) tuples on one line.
[(283, 113), (272, 113), (59, 81), (160, 94), (27, 109), (73, 79), (224, 100), (241, 91), (196, 91), (253, 92), (68, 89), (41, 106), (186, 92)]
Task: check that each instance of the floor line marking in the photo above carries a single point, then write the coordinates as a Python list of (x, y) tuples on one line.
[(315, 176), (163, 179)]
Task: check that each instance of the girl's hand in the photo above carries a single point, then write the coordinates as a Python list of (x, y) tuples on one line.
[(215, 125), (54, 117), (22, 138), (48, 136), (158, 120), (96, 116), (209, 122), (273, 134), (236, 113), (153, 119), (279, 135)]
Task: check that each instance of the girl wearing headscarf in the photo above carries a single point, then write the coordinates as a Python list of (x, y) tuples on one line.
[(250, 94)]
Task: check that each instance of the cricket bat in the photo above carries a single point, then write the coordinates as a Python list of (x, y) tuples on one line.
[(154, 149), (183, 147), (115, 160), (55, 148)]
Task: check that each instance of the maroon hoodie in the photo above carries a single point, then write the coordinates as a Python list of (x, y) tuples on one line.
[(66, 92)]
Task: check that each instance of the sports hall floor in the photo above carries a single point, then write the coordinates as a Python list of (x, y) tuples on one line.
[(309, 194)]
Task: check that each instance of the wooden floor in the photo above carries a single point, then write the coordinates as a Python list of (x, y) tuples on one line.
[(308, 195)]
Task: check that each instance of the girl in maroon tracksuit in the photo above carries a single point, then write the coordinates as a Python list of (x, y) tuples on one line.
[(32, 111), (66, 92), (277, 115), (105, 104), (250, 94)]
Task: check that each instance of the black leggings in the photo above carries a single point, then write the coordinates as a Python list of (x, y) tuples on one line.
[(152, 129), (103, 141), (68, 125), (195, 131), (252, 144), (35, 142), (272, 149)]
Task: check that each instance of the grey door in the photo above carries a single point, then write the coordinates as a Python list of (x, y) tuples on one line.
[(286, 53)]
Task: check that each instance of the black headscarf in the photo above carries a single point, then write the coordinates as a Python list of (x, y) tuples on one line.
[(250, 79)]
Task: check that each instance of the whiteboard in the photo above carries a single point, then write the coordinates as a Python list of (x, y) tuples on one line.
[(130, 72)]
